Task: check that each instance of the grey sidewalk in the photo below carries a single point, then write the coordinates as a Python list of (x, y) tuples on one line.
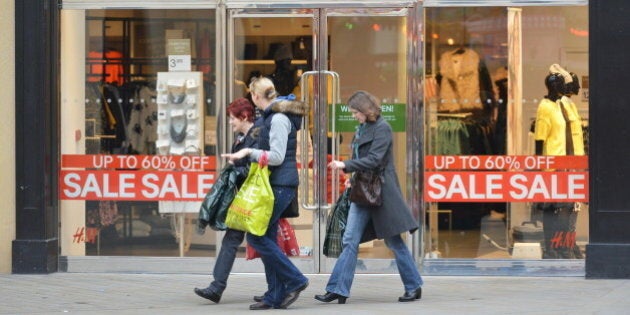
[(98, 293)]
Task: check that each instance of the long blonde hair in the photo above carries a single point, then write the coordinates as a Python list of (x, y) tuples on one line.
[(264, 87), (365, 103)]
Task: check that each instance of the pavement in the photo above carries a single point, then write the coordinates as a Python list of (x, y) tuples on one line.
[(132, 293)]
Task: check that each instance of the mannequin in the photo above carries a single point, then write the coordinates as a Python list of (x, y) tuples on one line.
[(554, 136), (284, 76), (573, 88)]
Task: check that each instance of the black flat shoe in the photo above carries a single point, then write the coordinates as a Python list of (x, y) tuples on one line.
[(260, 306), (258, 298), (329, 297), (411, 296), (206, 293), (292, 296)]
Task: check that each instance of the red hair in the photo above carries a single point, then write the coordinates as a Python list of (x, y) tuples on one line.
[(241, 108)]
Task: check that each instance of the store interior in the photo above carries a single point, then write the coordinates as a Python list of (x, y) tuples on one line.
[(125, 50)]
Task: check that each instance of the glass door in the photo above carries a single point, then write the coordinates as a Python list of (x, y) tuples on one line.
[(323, 56)]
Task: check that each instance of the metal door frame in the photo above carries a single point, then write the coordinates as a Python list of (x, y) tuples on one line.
[(413, 179)]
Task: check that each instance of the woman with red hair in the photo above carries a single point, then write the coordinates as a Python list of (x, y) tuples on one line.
[(241, 120)]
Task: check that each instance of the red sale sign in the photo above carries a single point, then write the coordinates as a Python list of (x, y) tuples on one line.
[(499, 178), (135, 177), (134, 185), (506, 186)]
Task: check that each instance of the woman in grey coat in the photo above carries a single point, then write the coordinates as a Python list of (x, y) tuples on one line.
[(372, 150)]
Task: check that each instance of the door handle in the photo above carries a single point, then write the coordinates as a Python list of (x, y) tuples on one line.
[(310, 181), (304, 200), (335, 139)]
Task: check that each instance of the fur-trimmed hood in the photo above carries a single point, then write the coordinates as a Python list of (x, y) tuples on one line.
[(293, 109), (290, 107)]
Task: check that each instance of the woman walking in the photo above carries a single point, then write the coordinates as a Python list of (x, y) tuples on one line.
[(276, 130), (372, 150), (242, 114)]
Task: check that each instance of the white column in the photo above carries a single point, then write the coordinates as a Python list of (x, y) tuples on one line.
[(72, 212)]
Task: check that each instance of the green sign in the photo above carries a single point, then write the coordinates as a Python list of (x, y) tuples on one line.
[(393, 113)]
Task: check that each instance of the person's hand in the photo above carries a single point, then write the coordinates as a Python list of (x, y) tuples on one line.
[(236, 156), (335, 165)]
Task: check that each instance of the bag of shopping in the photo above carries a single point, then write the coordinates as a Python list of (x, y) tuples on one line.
[(214, 207), (252, 206), (286, 238), (336, 225), (286, 241), (366, 188)]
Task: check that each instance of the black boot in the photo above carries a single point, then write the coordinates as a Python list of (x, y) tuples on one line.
[(206, 293), (329, 297), (411, 296)]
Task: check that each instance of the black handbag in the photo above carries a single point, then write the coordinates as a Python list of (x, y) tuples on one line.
[(293, 211), (367, 187), (215, 204)]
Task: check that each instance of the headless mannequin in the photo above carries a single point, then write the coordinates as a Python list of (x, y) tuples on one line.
[(284, 77)]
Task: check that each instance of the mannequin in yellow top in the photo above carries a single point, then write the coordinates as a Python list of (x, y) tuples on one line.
[(556, 133), (573, 88)]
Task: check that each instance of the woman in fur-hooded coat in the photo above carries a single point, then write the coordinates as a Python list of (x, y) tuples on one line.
[(276, 133)]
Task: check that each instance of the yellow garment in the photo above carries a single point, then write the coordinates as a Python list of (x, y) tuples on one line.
[(576, 125), (550, 128)]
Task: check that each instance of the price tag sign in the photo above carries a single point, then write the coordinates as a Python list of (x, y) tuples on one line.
[(179, 63)]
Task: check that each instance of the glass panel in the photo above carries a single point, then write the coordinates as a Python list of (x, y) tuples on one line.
[(485, 82), (369, 53), (114, 183), (279, 48)]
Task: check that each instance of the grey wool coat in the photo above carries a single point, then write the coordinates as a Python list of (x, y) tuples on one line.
[(375, 149)]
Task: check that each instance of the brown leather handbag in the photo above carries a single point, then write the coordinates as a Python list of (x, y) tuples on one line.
[(367, 188)]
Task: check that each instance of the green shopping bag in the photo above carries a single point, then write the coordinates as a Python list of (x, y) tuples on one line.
[(252, 206)]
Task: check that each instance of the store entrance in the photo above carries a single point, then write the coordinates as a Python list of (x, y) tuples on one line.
[(323, 56)]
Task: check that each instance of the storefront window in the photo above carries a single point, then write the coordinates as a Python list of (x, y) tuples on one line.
[(495, 188), (137, 145)]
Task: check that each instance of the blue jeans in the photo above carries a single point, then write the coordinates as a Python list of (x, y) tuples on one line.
[(342, 276), (282, 276), (225, 260)]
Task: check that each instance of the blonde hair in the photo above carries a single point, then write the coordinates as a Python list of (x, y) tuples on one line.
[(365, 103), (264, 87)]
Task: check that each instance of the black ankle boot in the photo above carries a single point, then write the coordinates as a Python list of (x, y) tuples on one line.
[(411, 296), (329, 297), (206, 293)]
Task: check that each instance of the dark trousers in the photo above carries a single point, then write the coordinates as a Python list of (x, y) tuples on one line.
[(282, 275), (225, 260)]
